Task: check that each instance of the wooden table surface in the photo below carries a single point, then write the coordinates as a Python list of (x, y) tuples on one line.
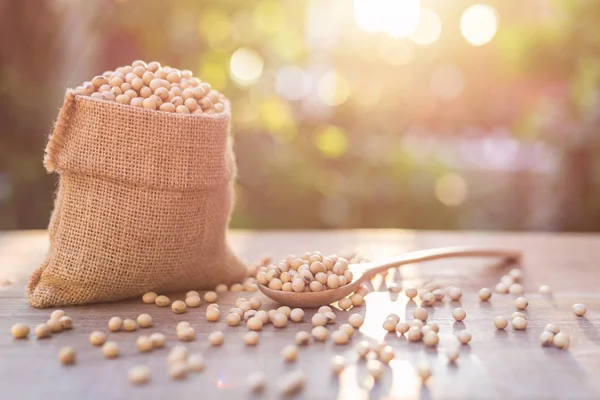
[(496, 365)]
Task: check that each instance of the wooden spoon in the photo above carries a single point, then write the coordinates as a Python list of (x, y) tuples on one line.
[(363, 271)]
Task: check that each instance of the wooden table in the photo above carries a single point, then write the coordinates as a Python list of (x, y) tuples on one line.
[(496, 365)]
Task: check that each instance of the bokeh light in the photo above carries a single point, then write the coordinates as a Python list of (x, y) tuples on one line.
[(451, 189), (447, 82), (277, 118), (269, 16), (478, 24), (291, 82), (246, 66), (215, 25), (429, 28), (331, 141), (399, 53), (394, 17), (333, 89)]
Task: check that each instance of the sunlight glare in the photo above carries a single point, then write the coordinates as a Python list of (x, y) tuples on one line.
[(478, 24)]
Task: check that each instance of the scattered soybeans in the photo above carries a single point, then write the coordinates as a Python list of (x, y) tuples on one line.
[(233, 319), (517, 314), (356, 320), (97, 338), (319, 319), (546, 338), (337, 364), (66, 322), (464, 336), (115, 324), (340, 337), (545, 289), (552, 328), (292, 382), (420, 313), (362, 348), (411, 293), (561, 341), (42, 331), (255, 303), (178, 307), (579, 309), (158, 340), (263, 316), (501, 288), (144, 344), (439, 294), (186, 334), (210, 297), (402, 327), (320, 333), (375, 369), (330, 318), (345, 303), (416, 323), (255, 324), (110, 349), (279, 320), (452, 353), (177, 354), (251, 338), (519, 323), (521, 303), (196, 362), (500, 322), (149, 298), (433, 326), (139, 374), (289, 353), (213, 314), (356, 299), (324, 309), (216, 338), (129, 325), (348, 329), (57, 314), (256, 381), (162, 301), (144, 320), (389, 324), (297, 314), (395, 317), (386, 354), (455, 293), (459, 314), (428, 299), (516, 274), (237, 287), (193, 301), (414, 334), (55, 325), (424, 371), (20, 331), (431, 339), (302, 338), (484, 294), (67, 355), (178, 371), (221, 287), (516, 288)]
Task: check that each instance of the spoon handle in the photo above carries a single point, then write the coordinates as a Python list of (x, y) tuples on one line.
[(372, 268)]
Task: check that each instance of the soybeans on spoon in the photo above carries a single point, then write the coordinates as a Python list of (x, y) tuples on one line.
[(364, 271)]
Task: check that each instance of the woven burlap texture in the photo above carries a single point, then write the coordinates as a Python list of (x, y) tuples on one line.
[(143, 203)]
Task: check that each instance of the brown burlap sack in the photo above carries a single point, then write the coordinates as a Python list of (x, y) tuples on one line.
[(143, 204)]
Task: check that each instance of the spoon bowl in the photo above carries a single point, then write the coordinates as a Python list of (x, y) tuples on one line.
[(363, 271)]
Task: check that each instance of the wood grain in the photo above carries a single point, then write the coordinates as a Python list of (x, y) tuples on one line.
[(497, 364)]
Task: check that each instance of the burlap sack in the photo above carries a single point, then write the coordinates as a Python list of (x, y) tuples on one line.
[(143, 204)]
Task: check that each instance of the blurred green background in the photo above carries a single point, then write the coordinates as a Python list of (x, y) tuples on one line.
[(368, 113)]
